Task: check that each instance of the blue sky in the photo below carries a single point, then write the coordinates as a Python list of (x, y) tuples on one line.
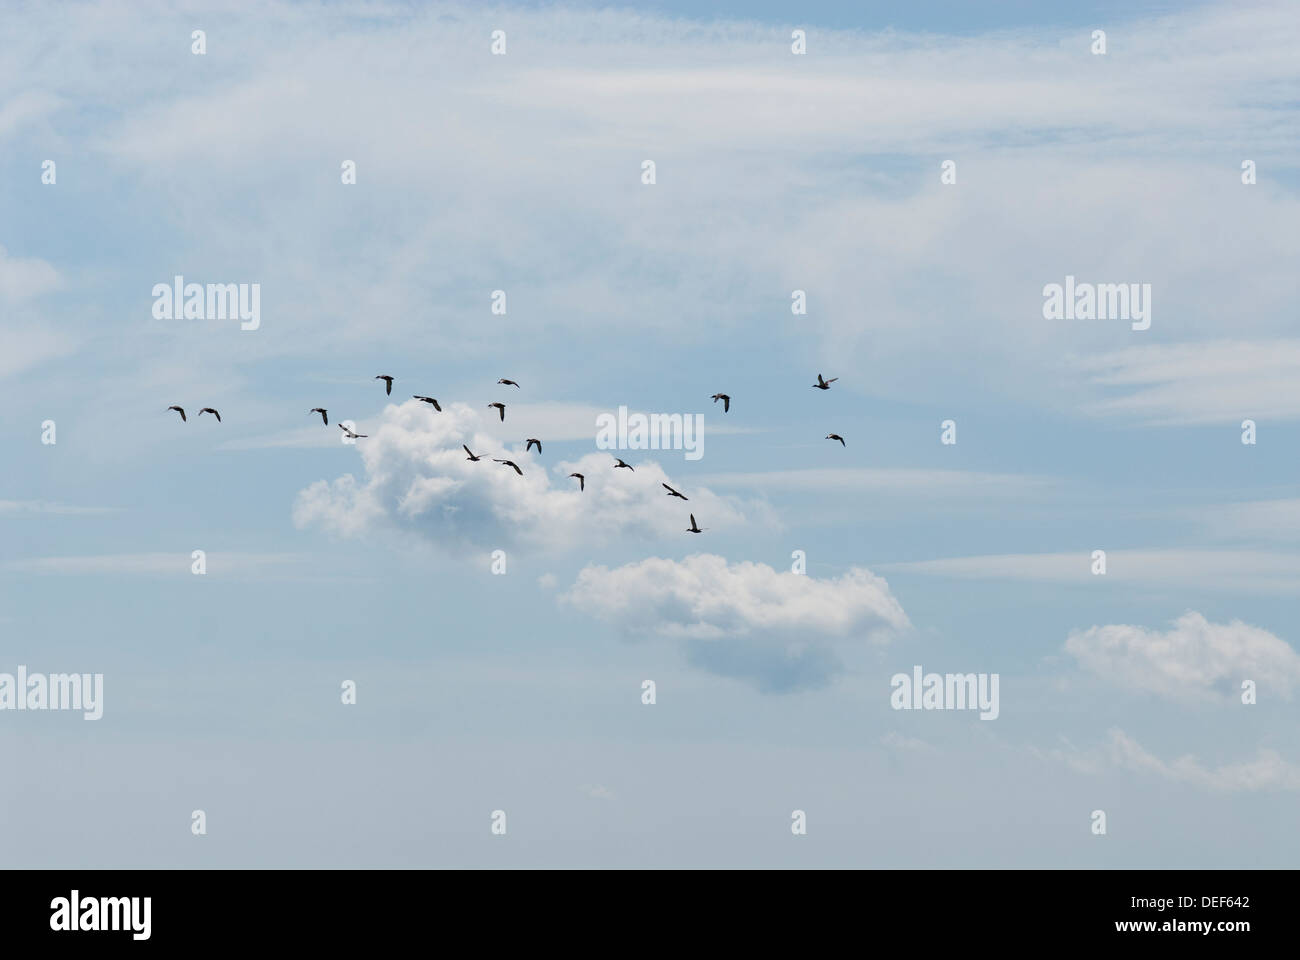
[(522, 691)]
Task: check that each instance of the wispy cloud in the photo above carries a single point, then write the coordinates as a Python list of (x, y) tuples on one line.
[(218, 564), (1268, 770), (21, 507), (1251, 571)]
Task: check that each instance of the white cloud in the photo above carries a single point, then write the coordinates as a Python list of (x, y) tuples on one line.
[(1194, 660), (1268, 770), (419, 480), (781, 629), (1221, 381), (22, 279)]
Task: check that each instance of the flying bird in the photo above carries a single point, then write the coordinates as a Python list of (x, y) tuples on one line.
[(582, 481), (211, 411), (323, 415), (824, 384), (726, 401), (471, 456), (501, 409), (511, 463), (693, 528), (180, 411), (351, 435), (508, 383), (532, 441), (836, 436), (622, 464), (388, 383), (428, 400), (672, 492)]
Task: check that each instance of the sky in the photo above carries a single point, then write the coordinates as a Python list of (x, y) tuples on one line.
[(922, 173)]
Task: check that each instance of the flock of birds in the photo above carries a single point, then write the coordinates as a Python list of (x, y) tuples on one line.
[(531, 442)]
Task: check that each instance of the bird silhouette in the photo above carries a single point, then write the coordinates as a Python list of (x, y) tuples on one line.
[(672, 492), (508, 383), (501, 409), (351, 435), (726, 401), (180, 411), (388, 383), (323, 415), (471, 456), (211, 411), (836, 436), (622, 464), (582, 481), (511, 463), (693, 528), (428, 400), (532, 441), (824, 384)]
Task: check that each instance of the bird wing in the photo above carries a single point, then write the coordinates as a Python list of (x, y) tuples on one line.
[(726, 404)]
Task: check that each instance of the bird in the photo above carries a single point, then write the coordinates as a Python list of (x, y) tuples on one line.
[(531, 441), (726, 401), (323, 415), (211, 411), (622, 464), (693, 528), (672, 492), (582, 481), (511, 463), (388, 383), (471, 456), (428, 400), (501, 409), (179, 410), (351, 435), (824, 384), (836, 436), (508, 383)]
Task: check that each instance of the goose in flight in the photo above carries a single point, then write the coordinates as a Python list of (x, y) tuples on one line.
[(672, 492), (836, 436), (179, 410), (582, 481), (211, 411), (824, 384), (511, 463), (472, 457), (693, 528), (323, 414), (508, 383), (428, 400), (726, 401), (622, 464), (501, 409), (388, 383), (531, 441), (351, 435)]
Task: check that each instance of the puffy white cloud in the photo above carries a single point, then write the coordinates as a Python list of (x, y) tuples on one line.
[(419, 480), (1194, 660), (780, 629)]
